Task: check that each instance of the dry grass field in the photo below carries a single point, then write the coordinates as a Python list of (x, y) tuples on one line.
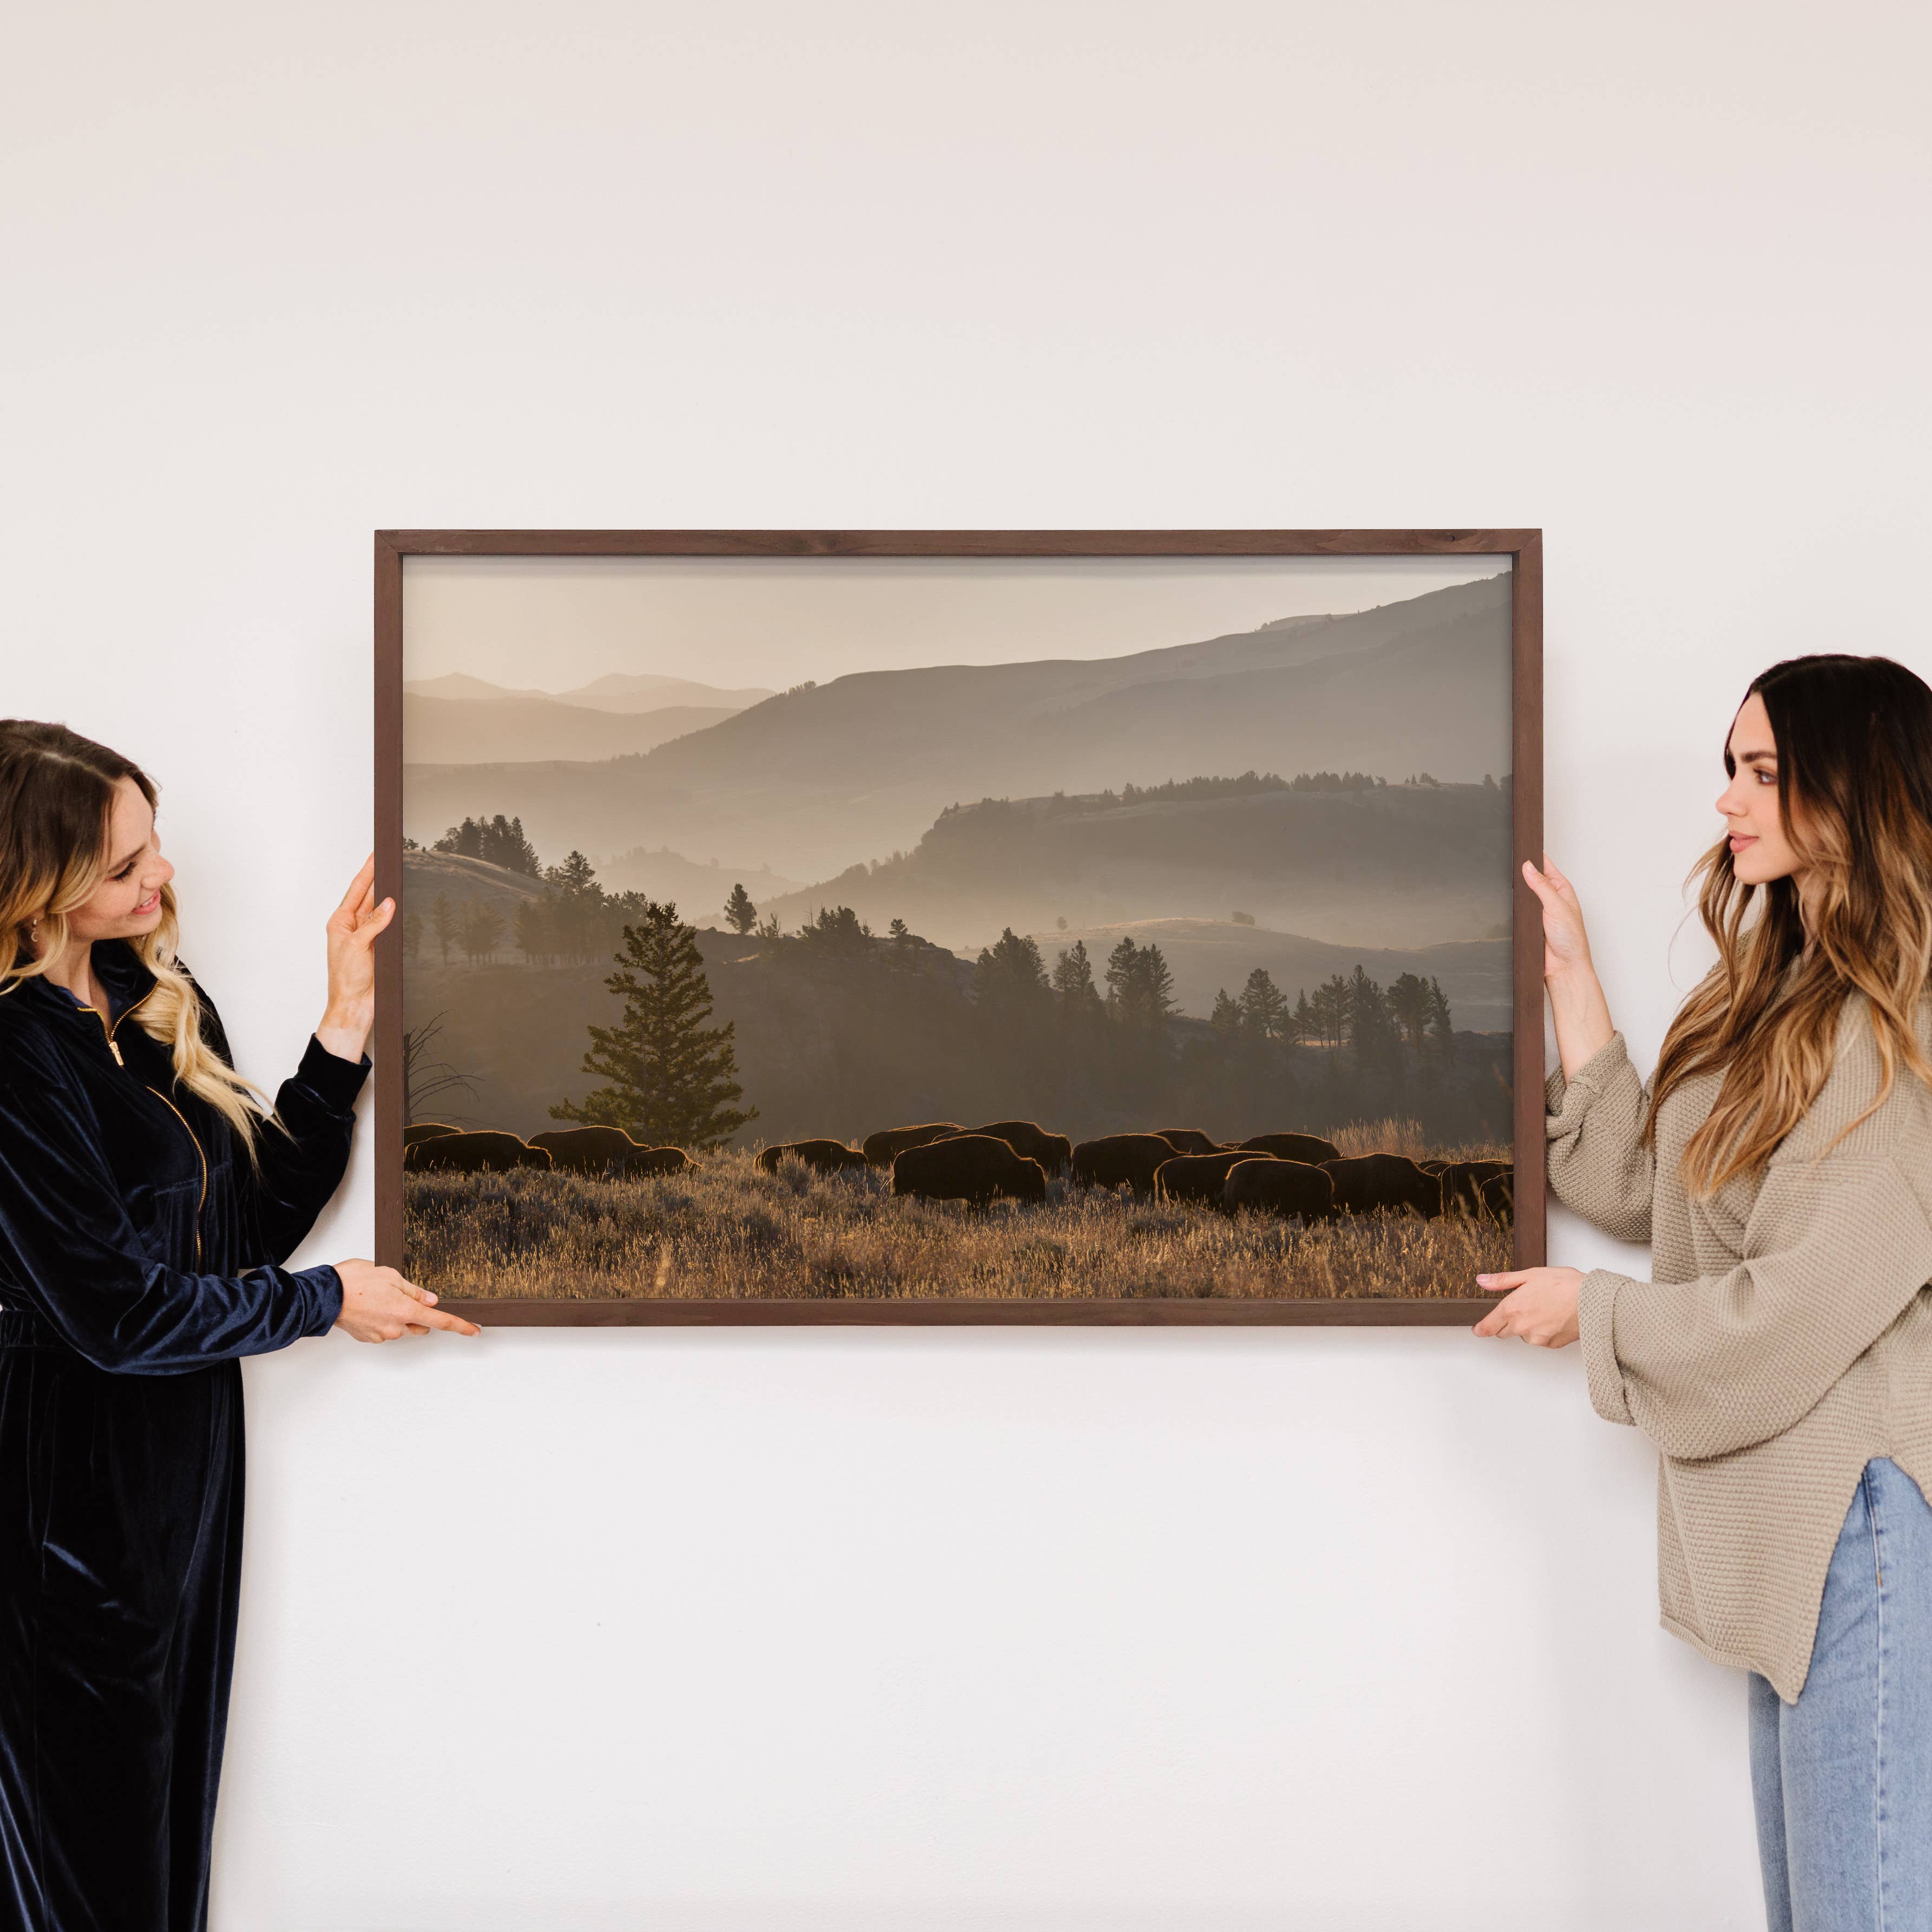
[(726, 1231)]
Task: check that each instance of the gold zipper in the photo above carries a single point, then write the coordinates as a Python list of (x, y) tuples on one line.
[(201, 1156), (113, 1047)]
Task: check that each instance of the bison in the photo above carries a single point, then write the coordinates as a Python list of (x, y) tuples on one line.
[(426, 1130), (883, 1147), (1191, 1140), (608, 1150), (1311, 1148), (979, 1168), (1367, 1181), (821, 1156), (1463, 1184), (486, 1152), (1196, 1176), (1053, 1151), (1288, 1188), (1498, 1194), (1114, 1158)]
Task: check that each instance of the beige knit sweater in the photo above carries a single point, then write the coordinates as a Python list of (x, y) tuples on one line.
[(1786, 1340)]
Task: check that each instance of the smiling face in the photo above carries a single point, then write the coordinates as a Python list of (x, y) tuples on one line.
[(1760, 851), (127, 903)]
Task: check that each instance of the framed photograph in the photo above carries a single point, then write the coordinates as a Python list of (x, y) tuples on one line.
[(959, 926)]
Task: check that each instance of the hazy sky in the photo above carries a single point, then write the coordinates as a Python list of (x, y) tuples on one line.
[(555, 623)]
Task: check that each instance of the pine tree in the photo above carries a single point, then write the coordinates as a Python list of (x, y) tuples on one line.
[(1441, 1032), (837, 931), (1009, 976), (1408, 1002), (578, 901), (535, 926), (1121, 963), (442, 923), (1226, 1019), (1264, 1007), (479, 928), (672, 1078), (1073, 981), (1155, 987), (740, 915), (1370, 1028)]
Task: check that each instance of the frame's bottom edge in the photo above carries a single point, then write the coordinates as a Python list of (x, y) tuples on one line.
[(1363, 1311)]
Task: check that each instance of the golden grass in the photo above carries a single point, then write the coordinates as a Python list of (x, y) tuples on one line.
[(725, 1231), (1401, 1135)]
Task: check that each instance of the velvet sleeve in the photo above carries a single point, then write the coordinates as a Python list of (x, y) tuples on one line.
[(300, 1164), (76, 1259)]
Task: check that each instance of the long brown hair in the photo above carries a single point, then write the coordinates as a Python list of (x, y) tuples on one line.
[(1854, 742), (56, 804)]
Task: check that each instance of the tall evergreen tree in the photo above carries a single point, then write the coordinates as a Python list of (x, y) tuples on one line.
[(442, 923), (1408, 1002), (1304, 1023), (1073, 978), (672, 1079), (1009, 976), (534, 928), (1121, 963), (577, 901), (838, 931), (740, 915), (1264, 1007), (1155, 987), (1226, 1019), (479, 928)]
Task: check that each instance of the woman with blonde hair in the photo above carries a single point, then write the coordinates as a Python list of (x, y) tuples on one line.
[(148, 1201), (1780, 1162)]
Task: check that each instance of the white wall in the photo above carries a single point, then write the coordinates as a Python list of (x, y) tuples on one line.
[(775, 1632)]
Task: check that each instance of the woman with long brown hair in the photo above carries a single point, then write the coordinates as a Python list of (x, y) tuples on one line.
[(149, 1198), (1779, 1160)]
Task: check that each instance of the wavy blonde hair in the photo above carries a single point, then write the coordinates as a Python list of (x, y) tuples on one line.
[(1854, 742), (56, 804)]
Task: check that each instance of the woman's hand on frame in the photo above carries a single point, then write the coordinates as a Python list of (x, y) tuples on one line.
[(1576, 1003), (1540, 1309), (352, 931), (380, 1305), (1566, 946)]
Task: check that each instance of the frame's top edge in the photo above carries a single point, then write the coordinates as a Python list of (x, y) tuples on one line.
[(957, 543)]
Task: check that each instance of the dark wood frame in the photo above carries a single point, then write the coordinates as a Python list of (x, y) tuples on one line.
[(1524, 546)]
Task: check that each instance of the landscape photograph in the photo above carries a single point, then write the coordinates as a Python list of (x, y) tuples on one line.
[(917, 929)]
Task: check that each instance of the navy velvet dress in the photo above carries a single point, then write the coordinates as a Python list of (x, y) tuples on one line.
[(140, 1257)]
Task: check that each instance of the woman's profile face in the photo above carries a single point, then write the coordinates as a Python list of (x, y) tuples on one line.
[(127, 902), (1759, 850)]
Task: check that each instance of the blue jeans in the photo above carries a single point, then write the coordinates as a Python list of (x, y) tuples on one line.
[(1842, 1780)]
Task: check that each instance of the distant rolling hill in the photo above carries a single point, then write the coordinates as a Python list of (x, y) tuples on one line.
[(817, 779), (1395, 865), (698, 890), (488, 731), (425, 874), (616, 692)]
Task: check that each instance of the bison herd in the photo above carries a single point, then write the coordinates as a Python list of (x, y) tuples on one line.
[(1292, 1175), (1295, 1176), (430, 1148)]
